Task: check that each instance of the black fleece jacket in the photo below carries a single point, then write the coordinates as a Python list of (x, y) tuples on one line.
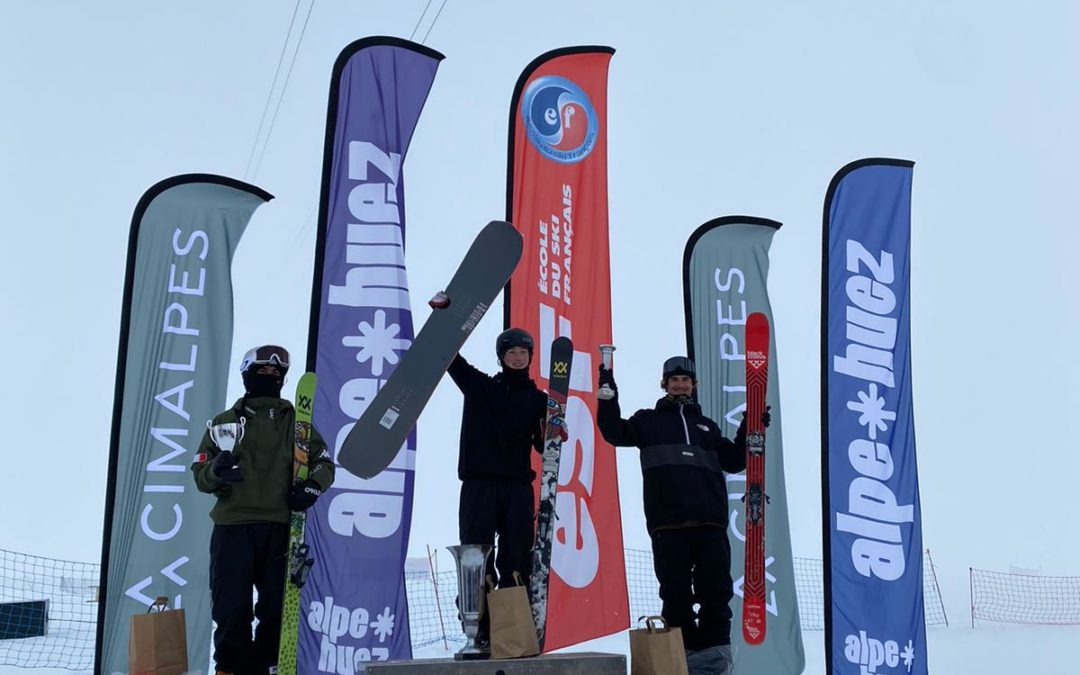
[(501, 421), (683, 460)]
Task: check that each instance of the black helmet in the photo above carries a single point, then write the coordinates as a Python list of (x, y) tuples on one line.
[(510, 338), (678, 365)]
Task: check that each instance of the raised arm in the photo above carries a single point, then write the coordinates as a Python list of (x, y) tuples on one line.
[(613, 427), (466, 376)]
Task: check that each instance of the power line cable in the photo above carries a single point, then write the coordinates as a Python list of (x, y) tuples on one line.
[(284, 87), (441, 7), (270, 94), (422, 15)]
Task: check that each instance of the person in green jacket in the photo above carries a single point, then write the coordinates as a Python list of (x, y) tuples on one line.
[(255, 493)]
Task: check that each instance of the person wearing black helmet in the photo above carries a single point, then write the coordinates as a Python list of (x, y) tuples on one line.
[(252, 481), (502, 422), (683, 460)]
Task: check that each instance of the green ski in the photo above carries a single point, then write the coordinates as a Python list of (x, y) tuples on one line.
[(299, 563)]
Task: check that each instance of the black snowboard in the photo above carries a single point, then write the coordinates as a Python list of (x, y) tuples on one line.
[(381, 431)]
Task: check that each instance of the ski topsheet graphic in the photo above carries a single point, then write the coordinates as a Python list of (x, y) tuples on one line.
[(299, 564), (562, 354), (757, 383), (380, 432)]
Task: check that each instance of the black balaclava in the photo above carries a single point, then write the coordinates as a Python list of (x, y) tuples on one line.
[(263, 385)]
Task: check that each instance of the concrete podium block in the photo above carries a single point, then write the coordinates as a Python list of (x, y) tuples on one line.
[(585, 663)]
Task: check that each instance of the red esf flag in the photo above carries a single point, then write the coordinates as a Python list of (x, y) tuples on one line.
[(557, 198)]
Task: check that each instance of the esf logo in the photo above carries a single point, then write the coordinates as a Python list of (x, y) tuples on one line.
[(560, 121)]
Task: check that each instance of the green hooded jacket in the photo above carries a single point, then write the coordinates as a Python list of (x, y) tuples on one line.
[(265, 454)]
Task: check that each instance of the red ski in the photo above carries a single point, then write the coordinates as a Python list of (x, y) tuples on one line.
[(757, 385)]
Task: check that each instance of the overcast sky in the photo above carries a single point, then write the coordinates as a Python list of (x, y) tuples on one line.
[(715, 108)]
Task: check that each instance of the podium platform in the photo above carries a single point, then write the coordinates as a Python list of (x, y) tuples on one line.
[(584, 663)]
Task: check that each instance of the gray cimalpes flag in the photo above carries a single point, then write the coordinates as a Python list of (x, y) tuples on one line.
[(172, 369), (725, 270)]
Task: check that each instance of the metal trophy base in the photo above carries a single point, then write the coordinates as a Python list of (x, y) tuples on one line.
[(584, 663), (467, 654)]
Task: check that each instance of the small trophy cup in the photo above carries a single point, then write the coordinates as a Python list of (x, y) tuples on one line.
[(471, 561), (606, 393), (226, 435)]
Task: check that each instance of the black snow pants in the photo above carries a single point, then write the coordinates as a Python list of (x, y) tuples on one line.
[(693, 565), (243, 557), (504, 508)]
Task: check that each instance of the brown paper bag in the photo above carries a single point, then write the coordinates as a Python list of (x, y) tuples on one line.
[(158, 642), (513, 633), (657, 651)]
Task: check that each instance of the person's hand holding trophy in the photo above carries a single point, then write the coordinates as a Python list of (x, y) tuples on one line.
[(607, 389)]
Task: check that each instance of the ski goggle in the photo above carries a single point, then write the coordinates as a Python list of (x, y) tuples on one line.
[(272, 355), (678, 365)]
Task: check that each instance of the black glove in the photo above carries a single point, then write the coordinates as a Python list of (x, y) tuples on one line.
[(303, 495), (225, 469), (607, 377), (766, 418)]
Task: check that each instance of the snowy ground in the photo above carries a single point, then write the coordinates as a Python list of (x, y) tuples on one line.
[(957, 650)]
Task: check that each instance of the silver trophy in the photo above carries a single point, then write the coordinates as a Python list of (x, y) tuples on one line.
[(471, 561), (606, 393), (227, 434)]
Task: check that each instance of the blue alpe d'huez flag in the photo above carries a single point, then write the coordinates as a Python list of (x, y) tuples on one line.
[(872, 524)]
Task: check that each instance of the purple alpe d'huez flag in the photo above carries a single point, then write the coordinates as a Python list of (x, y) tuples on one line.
[(353, 607)]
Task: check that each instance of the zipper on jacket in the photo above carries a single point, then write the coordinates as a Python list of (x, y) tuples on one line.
[(686, 429)]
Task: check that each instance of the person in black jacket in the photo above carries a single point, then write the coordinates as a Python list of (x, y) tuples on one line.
[(501, 423), (683, 460)]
